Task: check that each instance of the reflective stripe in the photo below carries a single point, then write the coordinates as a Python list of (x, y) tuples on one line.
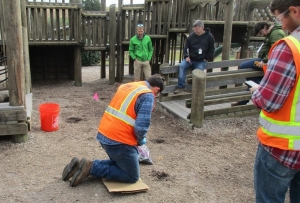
[(295, 110), (283, 128), (296, 145), (120, 115), (130, 96), (295, 35)]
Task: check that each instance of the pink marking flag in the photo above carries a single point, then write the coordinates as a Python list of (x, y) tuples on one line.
[(96, 96)]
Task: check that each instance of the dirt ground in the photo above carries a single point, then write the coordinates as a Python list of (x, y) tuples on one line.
[(209, 164)]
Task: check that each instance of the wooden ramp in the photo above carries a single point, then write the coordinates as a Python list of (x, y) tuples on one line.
[(179, 109)]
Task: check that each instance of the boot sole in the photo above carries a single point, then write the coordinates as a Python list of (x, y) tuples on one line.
[(70, 169), (77, 173)]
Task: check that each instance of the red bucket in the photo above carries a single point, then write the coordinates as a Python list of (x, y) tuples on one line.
[(49, 114)]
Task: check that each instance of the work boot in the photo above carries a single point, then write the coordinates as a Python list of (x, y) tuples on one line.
[(179, 90), (82, 172), (70, 169)]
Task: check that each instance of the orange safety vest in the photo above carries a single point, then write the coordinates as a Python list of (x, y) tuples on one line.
[(281, 128), (118, 120)]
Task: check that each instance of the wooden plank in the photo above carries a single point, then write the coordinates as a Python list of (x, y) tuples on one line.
[(112, 39), (88, 27), (225, 82), (94, 33), (235, 75), (164, 107), (225, 91), (14, 129), (210, 65), (13, 115), (176, 109), (53, 6), (99, 14), (45, 26), (57, 24), (94, 48), (229, 110), (133, 7), (225, 63), (52, 24), (64, 24), (175, 97)]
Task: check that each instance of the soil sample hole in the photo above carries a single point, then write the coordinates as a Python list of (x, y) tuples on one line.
[(73, 120), (158, 141), (159, 175)]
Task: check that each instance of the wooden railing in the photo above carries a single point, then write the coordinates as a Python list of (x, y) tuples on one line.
[(95, 30), (204, 89), (131, 15), (54, 24)]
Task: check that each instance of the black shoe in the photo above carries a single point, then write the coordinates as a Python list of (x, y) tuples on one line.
[(70, 169)]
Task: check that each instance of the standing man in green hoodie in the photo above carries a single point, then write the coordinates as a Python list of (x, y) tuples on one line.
[(272, 33), (141, 51)]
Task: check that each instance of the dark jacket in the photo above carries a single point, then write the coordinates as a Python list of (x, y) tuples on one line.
[(206, 42), (275, 34)]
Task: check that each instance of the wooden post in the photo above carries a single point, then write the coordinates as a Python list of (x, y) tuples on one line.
[(25, 48), (227, 34), (15, 61), (198, 95), (112, 43), (103, 65), (103, 5), (77, 66), (227, 30)]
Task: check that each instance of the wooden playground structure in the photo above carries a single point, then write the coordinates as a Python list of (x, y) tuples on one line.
[(44, 39)]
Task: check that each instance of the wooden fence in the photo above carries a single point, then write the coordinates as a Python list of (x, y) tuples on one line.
[(53, 24), (205, 90)]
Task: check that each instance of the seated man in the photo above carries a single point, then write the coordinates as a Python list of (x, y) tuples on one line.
[(199, 48), (272, 33)]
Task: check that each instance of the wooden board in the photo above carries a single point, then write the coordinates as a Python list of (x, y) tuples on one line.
[(14, 129)]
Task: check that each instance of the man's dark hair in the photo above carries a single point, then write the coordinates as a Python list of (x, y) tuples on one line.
[(259, 26), (156, 81), (283, 5)]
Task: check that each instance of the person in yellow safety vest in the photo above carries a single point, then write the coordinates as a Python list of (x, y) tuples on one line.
[(123, 126), (277, 162)]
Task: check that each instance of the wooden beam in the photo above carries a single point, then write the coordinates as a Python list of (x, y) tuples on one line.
[(14, 129), (14, 47), (77, 66), (112, 40)]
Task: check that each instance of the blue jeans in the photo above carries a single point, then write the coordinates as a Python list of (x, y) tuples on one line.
[(123, 164), (250, 64), (272, 179), (184, 65)]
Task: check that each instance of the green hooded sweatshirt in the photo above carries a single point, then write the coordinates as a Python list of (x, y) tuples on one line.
[(141, 49), (276, 33)]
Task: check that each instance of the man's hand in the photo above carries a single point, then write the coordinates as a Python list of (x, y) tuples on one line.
[(253, 89), (188, 60), (259, 64)]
